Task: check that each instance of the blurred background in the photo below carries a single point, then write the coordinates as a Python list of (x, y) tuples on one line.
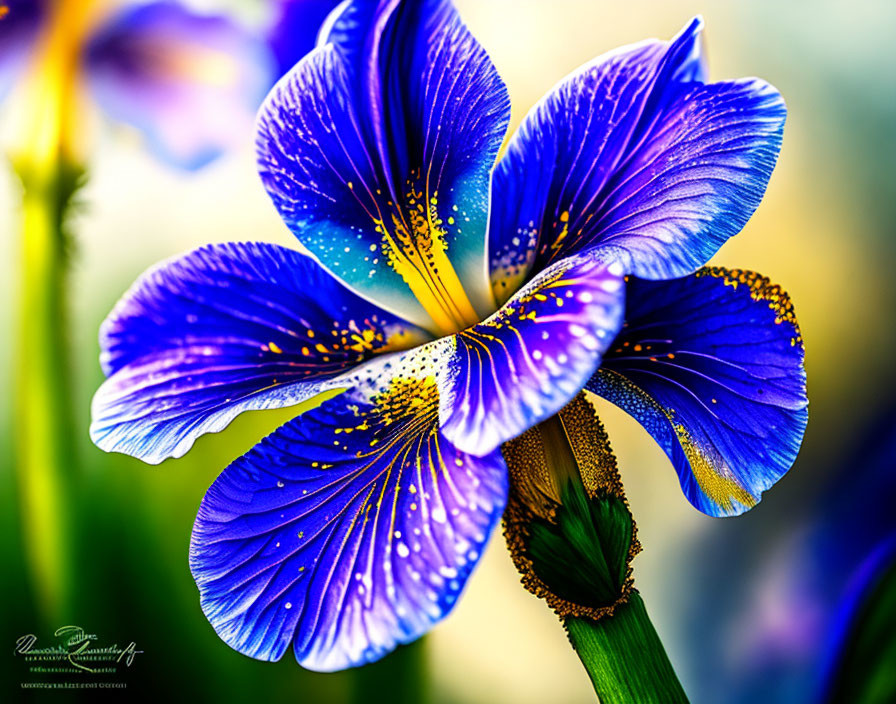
[(746, 607)]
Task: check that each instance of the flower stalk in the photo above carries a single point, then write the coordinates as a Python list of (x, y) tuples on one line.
[(624, 656), (44, 446), (572, 537), (48, 166)]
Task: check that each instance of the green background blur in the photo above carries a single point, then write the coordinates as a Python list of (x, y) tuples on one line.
[(825, 231)]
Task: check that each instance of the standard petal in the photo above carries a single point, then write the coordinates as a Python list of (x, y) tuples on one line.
[(376, 149), (346, 532), (634, 154), (227, 328), (20, 22), (190, 82), (712, 366), (694, 181)]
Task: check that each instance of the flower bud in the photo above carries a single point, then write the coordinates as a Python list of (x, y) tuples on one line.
[(567, 524)]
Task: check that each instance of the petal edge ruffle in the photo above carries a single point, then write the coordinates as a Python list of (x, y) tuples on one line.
[(637, 159), (712, 365)]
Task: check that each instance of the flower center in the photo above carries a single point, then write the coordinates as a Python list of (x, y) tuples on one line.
[(415, 245)]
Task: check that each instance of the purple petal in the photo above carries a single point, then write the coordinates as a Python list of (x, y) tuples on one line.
[(191, 83), (712, 366), (530, 359), (376, 150), (636, 156), (227, 328), (346, 532)]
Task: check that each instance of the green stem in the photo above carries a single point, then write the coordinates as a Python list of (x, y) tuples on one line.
[(43, 415), (625, 658), (572, 536), (46, 156)]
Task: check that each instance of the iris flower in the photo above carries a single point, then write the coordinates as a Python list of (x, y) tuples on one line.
[(185, 80), (455, 303)]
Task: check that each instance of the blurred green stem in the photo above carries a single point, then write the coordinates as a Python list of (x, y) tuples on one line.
[(44, 447), (46, 159), (861, 669)]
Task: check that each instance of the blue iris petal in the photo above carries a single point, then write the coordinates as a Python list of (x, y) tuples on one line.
[(224, 329), (379, 160), (712, 366), (635, 155), (346, 532), (190, 83), (528, 360)]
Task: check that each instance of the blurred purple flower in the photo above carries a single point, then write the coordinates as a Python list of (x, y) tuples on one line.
[(19, 25), (770, 637), (189, 82), (859, 667)]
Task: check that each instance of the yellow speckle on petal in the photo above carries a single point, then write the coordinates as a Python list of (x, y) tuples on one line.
[(712, 474)]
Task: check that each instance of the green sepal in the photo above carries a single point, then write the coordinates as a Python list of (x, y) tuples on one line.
[(572, 537), (583, 555)]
